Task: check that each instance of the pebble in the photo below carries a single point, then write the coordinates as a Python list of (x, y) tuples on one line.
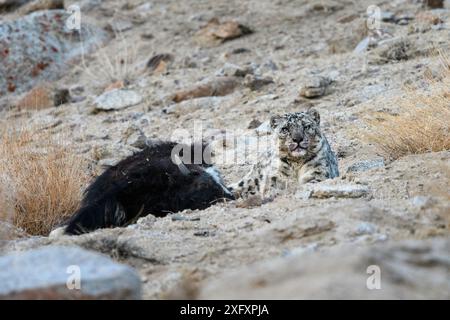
[(255, 82), (366, 165), (315, 87), (422, 202), (365, 228), (117, 99), (324, 190)]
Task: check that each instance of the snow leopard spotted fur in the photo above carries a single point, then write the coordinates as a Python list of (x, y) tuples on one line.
[(302, 155)]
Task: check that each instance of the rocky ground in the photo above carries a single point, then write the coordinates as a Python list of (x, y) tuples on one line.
[(278, 56)]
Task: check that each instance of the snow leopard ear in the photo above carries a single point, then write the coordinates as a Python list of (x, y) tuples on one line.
[(315, 115), (275, 121)]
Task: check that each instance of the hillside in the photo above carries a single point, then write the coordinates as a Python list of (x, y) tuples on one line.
[(168, 70)]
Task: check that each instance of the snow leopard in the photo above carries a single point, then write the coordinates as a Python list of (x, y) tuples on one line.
[(301, 155)]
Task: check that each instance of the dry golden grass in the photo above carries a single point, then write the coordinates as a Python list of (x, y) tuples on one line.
[(421, 124), (41, 181), (37, 98)]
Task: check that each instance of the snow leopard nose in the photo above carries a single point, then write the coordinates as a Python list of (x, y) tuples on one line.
[(297, 136)]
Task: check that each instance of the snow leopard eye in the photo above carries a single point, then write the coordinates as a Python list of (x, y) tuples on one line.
[(284, 130)]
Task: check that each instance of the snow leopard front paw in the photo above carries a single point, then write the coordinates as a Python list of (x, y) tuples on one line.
[(245, 188)]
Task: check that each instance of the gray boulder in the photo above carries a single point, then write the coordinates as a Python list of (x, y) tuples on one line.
[(57, 272), (40, 46)]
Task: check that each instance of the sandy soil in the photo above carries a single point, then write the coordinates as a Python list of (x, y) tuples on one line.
[(291, 41)]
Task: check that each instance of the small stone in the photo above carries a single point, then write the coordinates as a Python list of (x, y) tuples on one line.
[(135, 137), (365, 228), (402, 22), (366, 165), (115, 85), (230, 69), (159, 63), (216, 32), (179, 217), (270, 65), (145, 7), (60, 97), (303, 194), (333, 75), (255, 82), (219, 86), (312, 247), (362, 46), (387, 16), (189, 62), (147, 36), (117, 99), (77, 90), (145, 222), (324, 190), (49, 273), (106, 163), (315, 87), (382, 237), (240, 51), (328, 6), (255, 123), (422, 202), (119, 25), (264, 129), (204, 233), (435, 4)]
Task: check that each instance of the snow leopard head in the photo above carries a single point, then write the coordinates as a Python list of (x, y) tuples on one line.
[(298, 133)]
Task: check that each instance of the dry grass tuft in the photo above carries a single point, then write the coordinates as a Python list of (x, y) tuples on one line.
[(41, 180), (110, 69), (421, 124)]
